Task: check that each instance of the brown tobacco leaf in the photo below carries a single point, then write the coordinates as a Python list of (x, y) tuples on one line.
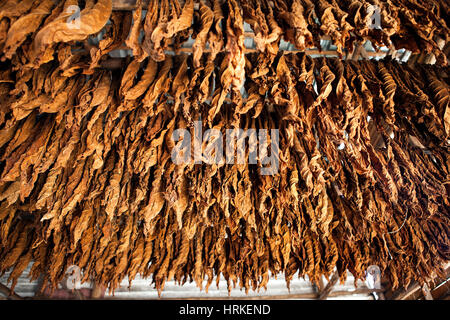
[(180, 82), (329, 24), (168, 27), (206, 18), (92, 20), (266, 29), (133, 39), (116, 34), (233, 66), (15, 8), (298, 32), (26, 25), (215, 36), (132, 93)]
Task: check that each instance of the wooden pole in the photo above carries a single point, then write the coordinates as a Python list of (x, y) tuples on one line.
[(326, 292)]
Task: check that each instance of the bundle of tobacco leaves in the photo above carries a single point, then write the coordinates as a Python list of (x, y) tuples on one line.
[(87, 177)]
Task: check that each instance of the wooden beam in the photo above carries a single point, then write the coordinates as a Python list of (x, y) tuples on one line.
[(98, 291), (78, 294), (311, 51), (381, 295), (357, 52), (127, 4), (441, 290), (307, 295), (426, 292), (117, 63), (403, 294), (8, 293), (321, 284), (326, 292)]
